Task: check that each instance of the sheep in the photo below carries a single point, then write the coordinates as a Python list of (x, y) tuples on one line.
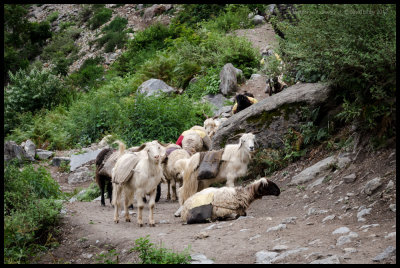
[(105, 162), (222, 203), (173, 171), (194, 140), (210, 125), (138, 174), (234, 161)]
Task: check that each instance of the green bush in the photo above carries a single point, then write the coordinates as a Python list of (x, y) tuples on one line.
[(151, 254), (31, 210), (100, 16), (114, 35), (353, 47), (195, 13), (31, 91)]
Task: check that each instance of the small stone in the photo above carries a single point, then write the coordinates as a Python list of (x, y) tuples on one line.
[(372, 185), (265, 257), (350, 178), (200, 259), (390, 185), (277, 228), (291, 220), (393, 234), (328, 218), (254, 237), (280, 248), (330, 260), (389, 252), (349, 250), (392, 207), (341, 230)]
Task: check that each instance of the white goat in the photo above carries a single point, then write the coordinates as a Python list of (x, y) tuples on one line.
[(138, 174), (222, 203), (235, 159)]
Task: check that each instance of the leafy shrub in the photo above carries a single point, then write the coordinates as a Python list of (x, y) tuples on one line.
[(30, 210), (31, 91), (100, 16), (114, 35), (151, 254), (53, 16), (195, 13), (158, 117), (353, 46)]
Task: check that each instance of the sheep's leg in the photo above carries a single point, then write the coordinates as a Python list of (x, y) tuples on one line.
[(109, 191), (140, 205), (173, 186), (151, 208), (101, 185), (230, 180), (168, 192)]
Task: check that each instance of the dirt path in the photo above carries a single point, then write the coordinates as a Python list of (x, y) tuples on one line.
[(88, 229)]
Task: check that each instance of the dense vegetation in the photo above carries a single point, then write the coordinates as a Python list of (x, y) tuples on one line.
[(350, 46)]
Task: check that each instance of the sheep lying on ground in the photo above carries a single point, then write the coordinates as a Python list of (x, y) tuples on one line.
[(243, 101), (138, 174), (222, 203), (173, 171), (105, 162), (234, 161)]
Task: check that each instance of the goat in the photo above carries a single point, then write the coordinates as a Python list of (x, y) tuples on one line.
[(222, 203), (138, 174), (243, 101), (105, 162), (234, 161)]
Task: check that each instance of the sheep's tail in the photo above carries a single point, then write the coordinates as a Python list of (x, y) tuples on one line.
[(190, 184), (121, 147), (115, 194)]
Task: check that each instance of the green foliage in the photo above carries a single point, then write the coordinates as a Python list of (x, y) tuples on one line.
[(22, 39), (108, 257), (114, 35), (31, 91), (195, 13), (53, 16), (88, 76), (353, 47), (157, 117), (100, 16), (151, 254), (92, 192), (30, 210), (235, 17)]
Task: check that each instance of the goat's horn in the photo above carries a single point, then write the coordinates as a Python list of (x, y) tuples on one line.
[(139, 148)]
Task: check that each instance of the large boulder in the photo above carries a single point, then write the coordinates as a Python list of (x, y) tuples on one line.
[(229, 76), (270, 118), (30, 148), (153, 86), (218, 101), (81, 159), (13, 150)]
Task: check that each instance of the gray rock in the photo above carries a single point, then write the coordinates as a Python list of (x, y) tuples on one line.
[(362, 213), (312, 172), (330, 260), (218, 102), (288, 253), (279, 248), (277, 228), (328, 218), (230, 77), (80, 175), (291, 220), (392, 207), (257, 19), (341, 230), (271, 117), (265, 257), (30, 148), (372, 185), (392, 234), (386, 254), (43, 154), (153, 87), (350, 178), (81, 159), (56, 161), (346, 238), (316, 183), (200, 259), (389, 186), (13, 150)]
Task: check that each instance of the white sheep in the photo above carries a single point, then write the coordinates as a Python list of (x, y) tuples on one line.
[(235, 159), (222, 203), (173, 171), (138, 174), (195, 140)]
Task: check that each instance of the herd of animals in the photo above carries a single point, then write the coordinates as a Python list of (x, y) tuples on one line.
[(137, 172)]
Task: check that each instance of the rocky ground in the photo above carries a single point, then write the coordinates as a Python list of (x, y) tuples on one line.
[(335, 221), (344, 215)]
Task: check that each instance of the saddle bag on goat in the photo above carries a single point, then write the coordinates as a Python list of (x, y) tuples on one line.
[(125, 167), (209, 164), (199, 209)]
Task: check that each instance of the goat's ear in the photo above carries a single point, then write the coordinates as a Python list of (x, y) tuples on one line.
[(139, 148)]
